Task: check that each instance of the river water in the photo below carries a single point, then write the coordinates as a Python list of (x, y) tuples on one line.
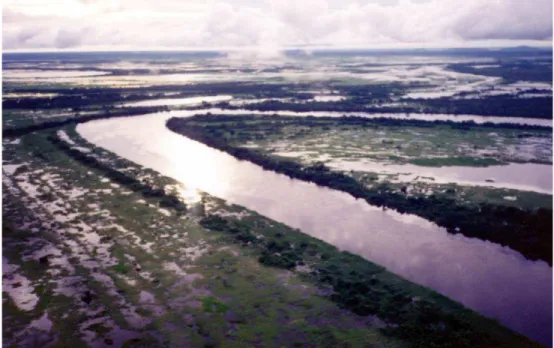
[(493, 280)]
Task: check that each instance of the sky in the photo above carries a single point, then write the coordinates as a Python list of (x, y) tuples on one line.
[(268, 26)]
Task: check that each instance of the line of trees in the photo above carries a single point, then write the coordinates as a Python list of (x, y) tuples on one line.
[(502, 105)]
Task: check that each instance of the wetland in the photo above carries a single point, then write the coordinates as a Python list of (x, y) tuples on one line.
[(183, 199)]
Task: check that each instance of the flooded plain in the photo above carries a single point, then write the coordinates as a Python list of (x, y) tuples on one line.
[(437, 79), (493, 280)]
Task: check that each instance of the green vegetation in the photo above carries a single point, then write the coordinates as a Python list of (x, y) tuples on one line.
[(121, 267), (212, 305)]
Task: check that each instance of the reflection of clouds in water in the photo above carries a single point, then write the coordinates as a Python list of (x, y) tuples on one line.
[(412, 220)]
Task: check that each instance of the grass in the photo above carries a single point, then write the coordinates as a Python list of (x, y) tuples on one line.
[(121, 268), (212, 305)]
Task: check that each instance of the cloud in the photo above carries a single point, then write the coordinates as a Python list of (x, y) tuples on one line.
[(508, 19), (271, 25), (70, 38)]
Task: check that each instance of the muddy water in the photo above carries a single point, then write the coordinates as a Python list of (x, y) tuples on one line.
[(493, 280)]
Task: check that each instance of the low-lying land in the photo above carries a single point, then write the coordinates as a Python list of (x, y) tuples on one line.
[(100, 251), (522, 224)]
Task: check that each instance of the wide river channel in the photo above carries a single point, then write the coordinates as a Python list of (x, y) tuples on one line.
[(493, 280)]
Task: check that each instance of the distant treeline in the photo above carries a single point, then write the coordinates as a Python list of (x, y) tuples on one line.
[(361, 98), (364, 122), (79, 97), (210, 87), (73, 101), (510, 70), (502, 105), (527, 231)]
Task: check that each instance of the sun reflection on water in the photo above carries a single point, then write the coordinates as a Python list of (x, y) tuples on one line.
[(189, 195), (192, 164)]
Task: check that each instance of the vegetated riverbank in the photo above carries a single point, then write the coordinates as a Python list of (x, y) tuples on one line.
[(527, 231), (407, 312)]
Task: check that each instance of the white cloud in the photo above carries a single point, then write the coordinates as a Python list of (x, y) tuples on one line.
[(270, 25)]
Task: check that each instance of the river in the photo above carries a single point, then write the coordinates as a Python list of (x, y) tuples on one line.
[(493, 280)]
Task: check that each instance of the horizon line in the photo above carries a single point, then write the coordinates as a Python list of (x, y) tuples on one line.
[(285, 49)]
